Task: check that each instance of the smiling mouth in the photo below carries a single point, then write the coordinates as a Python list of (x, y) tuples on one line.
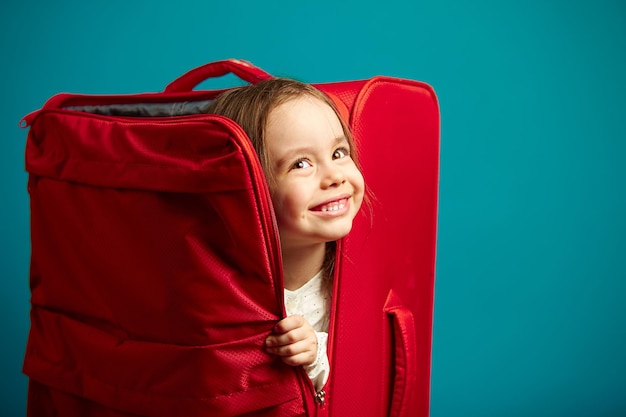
[(332, 206)]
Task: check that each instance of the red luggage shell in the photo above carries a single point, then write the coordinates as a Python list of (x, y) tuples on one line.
[(156, 272)]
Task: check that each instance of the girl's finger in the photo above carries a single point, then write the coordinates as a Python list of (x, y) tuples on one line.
[(288, 338), (289, 323), (301, 359), (294, 349)]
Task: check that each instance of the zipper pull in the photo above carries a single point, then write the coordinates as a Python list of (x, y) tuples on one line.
[(320, 398)]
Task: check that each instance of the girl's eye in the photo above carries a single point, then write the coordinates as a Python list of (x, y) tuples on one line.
[(341, 153), (300, 164)]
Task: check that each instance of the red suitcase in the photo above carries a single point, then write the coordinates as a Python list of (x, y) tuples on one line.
[(156, 271)]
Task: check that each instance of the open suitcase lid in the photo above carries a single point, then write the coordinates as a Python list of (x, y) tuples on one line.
[(380, 337), (387, 273)]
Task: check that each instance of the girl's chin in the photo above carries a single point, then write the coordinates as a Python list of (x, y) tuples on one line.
[(312, 240)]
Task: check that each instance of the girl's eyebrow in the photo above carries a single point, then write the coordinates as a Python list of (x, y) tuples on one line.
[(340, 139)]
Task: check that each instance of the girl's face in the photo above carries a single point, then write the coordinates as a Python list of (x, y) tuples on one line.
[(317, 189)]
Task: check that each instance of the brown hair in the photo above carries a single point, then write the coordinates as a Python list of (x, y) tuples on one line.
[(250, 106)]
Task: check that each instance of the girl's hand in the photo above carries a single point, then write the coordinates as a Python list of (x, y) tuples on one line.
[(294, 340)]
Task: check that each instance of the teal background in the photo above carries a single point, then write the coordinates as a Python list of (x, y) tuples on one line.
[(530, 315)]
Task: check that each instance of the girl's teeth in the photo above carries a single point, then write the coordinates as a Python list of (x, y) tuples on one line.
[(333, 207)]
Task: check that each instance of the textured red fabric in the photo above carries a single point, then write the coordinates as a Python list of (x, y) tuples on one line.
[(156, 272)]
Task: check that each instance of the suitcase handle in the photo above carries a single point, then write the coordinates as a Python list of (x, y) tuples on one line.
[(405, 364), (242, 69)]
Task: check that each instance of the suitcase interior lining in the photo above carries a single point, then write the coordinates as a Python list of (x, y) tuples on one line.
[(178, 108)]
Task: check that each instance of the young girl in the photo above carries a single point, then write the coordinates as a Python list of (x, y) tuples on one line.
[(308, 158)]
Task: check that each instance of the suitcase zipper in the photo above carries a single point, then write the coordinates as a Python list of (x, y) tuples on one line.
[(320, 398)]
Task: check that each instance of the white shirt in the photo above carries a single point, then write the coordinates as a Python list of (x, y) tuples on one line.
[(311, 302)]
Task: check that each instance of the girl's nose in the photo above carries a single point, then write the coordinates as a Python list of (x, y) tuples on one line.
[(333, 177)]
